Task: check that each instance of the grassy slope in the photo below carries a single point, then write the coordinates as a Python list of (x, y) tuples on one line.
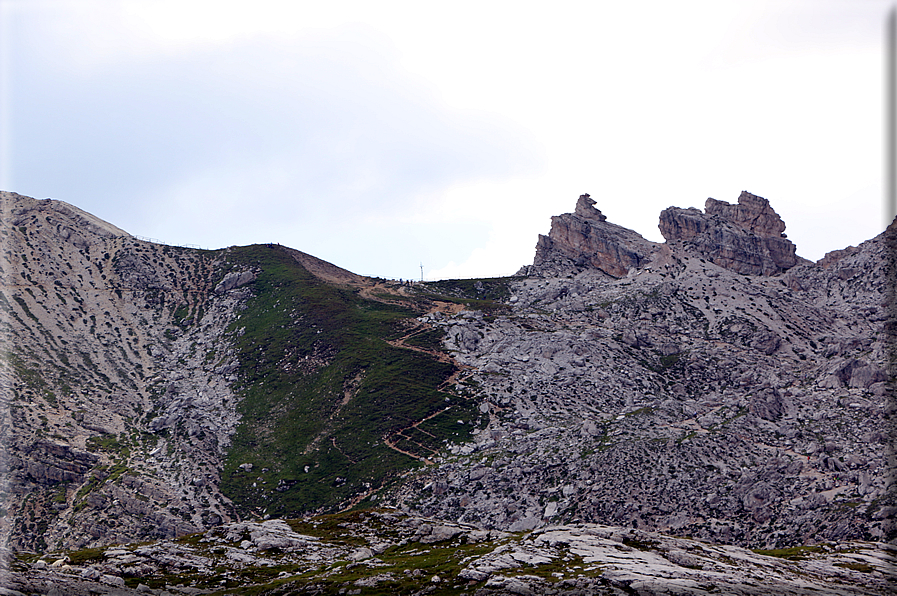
[(304, 344)]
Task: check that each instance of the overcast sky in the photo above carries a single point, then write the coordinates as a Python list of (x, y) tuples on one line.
[(382, 135)]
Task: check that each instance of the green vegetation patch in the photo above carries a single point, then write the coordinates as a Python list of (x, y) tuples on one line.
[(669, 360), (180, 314), (495, 289), (332, 527), (108, 443), (86, 555), (487, 295), (430, 339), (646, 545), (794, 553), (857, 566), (25, 308), (321, 388)]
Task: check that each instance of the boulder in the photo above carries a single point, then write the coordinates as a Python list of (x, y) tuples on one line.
[(234, 280), (440, 533)]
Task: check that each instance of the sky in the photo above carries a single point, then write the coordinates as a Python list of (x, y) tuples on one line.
[(382, 136)]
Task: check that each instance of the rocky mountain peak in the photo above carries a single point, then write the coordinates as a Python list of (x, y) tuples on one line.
[(585, 238), (747, 238), (64, 218), (752, 213), (585, 207)]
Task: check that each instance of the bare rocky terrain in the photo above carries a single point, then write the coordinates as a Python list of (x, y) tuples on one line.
[(684, 396), (98, 335), (614, 394), (386, 552)]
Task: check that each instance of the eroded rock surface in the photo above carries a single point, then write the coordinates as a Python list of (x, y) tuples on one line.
[(747, 238), (116, 404), (712, 386), (586, 239), (403, 554)]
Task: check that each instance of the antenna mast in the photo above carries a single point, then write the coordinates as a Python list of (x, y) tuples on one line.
[(422, 272)]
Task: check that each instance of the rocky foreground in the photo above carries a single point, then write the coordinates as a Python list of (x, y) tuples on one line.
[(387, 552)]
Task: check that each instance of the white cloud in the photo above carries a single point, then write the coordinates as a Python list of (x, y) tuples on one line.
[(444, 133)]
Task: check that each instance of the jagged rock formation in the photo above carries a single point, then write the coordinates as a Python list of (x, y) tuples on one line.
[(586, 239), (747, 238), (685, 397)]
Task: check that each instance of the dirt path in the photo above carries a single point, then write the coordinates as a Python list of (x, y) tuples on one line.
[(349, 390), (417, 328), (389, 443), (390, 293)]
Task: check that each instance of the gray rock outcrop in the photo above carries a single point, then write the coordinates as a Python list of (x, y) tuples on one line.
[(586, 239), (114, 385), (747, 238)]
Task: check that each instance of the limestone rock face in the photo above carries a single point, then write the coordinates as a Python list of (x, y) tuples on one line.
[(687, 397), (747, 238), (833, 256), (114, 422), (586, 239), (752, 213)]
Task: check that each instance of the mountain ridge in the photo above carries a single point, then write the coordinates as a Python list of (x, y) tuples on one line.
[(716, 385)]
